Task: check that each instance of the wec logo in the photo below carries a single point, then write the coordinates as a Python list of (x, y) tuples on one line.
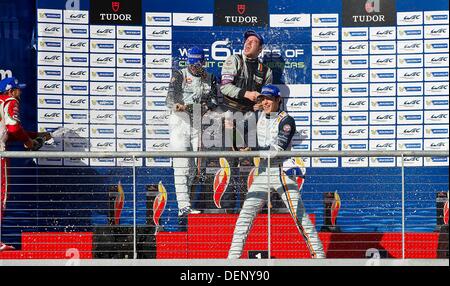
[(104, 31), (357, 47), (131, 46), (194, 19), (327, 146), (78, 16), (292, 20), (160, 33)]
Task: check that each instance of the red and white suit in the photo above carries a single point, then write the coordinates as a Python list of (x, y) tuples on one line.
[(10, 130)]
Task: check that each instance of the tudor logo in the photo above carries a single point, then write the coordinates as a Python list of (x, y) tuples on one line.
[(115, 6), (103, 12), (363, 13), (241, 8), (241, 13)]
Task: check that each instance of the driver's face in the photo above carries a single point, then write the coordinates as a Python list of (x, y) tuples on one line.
[(252, 47), (16, 93), (269, 104)]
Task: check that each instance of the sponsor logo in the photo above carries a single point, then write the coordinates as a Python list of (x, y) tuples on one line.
[(52, 86), (382, 89), (103, 12), (407, 18), (383, 47), (103, 102), (76, 116), (52, 30), (384, 33), (385, 146), (383, 75), (77, 45), (356, 132), (103, 131), (78, 16), (50, 73), (324, 48), (50, 15), (410, 61), (437, 32), (437, 131), (358, 76), (369, 13), (50, 44), (331, 104), (383, 132), (355, 146), (241, 13), (129, 75), (77, 101), (102, 32), (76, 59), (49, 101), (130, 145), (326, 76), (355, 118), (291, 20), (131, 46), (51, 59), (129, 61), (102, 74), (355, 89), (325, 132), (159, 47), (404, 33), (130, 117), (410, 117), (158, 75), (410, 47), (301, 118), (439, 116), (383, 103), (129, 88), (436, 74), (129, 32), (355, 34), (357, 47), (328, 146), (102, 46), (323, 20), (158, 19), (325, 160), (53, 115), (383, 119), (202, 19), (327, 90), (76, 31), (73, 87)]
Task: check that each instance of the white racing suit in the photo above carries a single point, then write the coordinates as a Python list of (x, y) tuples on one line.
[(275, 132), (187, 89)]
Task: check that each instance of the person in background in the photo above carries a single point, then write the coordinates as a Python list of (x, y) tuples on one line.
[(190, 87), (242, 78), (275, 130), (11, 130)]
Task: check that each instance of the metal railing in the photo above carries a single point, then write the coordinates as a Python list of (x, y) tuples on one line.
[(135, 185)]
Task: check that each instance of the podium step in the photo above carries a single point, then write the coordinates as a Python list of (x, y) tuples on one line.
[(209, 237)]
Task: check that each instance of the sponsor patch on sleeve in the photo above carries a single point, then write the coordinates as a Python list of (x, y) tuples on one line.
[(287, 128), (227, 78)]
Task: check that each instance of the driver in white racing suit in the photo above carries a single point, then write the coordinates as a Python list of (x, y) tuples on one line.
[(190, 87), (275, 130)]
